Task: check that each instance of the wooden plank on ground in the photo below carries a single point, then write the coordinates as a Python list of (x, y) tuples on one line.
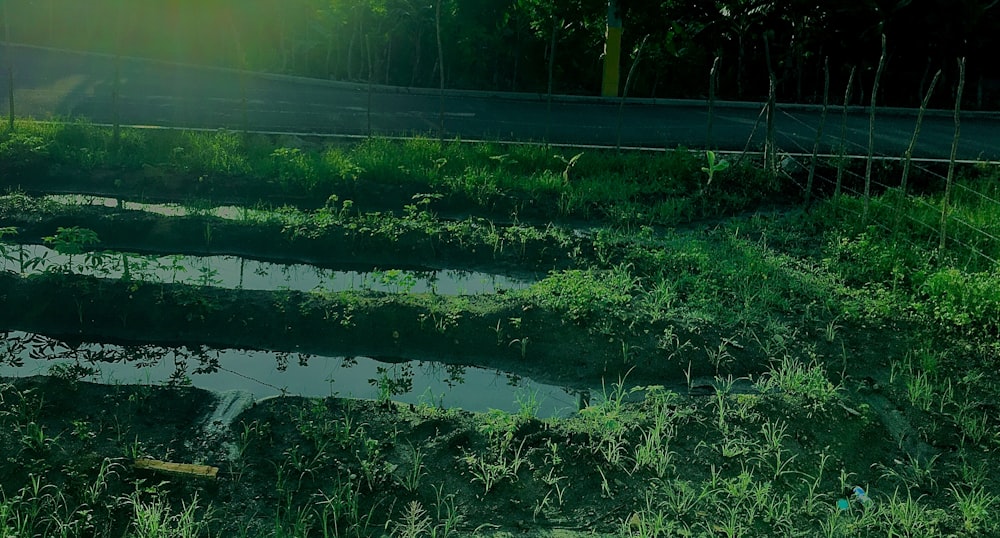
[(185, 469)]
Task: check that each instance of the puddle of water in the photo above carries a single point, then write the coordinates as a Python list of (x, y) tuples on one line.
[(234, 272), (267, 373), (168, 210), (228, 212)]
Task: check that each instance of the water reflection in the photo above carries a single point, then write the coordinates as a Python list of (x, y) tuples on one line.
[(234, 272), (270, 373), (229, 212)]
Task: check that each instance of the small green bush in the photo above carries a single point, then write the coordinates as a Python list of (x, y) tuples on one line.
[(586, 295), (218, 153), (962, 301), (21, 152)]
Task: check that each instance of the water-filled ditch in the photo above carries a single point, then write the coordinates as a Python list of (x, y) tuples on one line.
[(230, 212), (234, 272), (267, 373)]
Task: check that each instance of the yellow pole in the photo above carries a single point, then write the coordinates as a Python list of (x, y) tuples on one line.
[(612, 51)]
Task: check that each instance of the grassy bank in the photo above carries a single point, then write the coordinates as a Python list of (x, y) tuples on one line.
[(512, 181), (807, 353)]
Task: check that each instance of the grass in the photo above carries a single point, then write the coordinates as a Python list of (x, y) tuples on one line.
[(871, 350), (517, 181)]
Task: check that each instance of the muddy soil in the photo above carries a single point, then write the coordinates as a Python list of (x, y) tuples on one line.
[(377, 467), (384, 457)]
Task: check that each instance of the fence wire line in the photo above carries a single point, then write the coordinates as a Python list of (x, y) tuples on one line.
[(971, 248), (922, 201), (914, 164), (933, 230), (813, 130), (957, 184), (919, 166), (845, 143), (974, 228), (802, 164), (981, 195)]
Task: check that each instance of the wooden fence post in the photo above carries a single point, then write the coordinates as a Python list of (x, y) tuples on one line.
[(819, 131), (843, 140), (954, 151), (712, 77), (908, 156), (871, 135)]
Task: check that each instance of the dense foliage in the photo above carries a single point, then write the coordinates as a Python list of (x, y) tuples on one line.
[(506, 44)]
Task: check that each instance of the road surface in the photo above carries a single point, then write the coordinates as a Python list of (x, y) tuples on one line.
[(62, 84)]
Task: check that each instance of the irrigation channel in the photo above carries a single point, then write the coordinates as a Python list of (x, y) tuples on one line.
[(235, 272), (264, 374), (231, 212)]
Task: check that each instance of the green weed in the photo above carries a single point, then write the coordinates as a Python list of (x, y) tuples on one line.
[(804, 383)]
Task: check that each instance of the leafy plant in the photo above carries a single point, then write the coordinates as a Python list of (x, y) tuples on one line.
[(570, 163), (5, 254), (586, 295), (396, 280), (71, 241), (714, 166), (500, 463)]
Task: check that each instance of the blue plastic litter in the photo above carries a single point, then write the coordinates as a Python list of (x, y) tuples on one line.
[(861, 496)]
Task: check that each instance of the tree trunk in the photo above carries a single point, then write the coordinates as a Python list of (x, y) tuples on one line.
[(10, 69), (739, 66), (712, 77), (437, 27), (282, 44), (350, 54), (908, 156), (367, 51), (628, 84), (329, 55), (556, 24), (517, 56), (552, 54), (388, 57), (843, 139), (52, 32), (979, 92), (416, 58), (770, 156), (116, 89)]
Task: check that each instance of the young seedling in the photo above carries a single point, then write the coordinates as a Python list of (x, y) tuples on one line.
[(713, 166), (522, 343), (570, 163)]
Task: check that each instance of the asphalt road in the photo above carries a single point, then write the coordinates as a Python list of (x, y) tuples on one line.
[(50, 84)]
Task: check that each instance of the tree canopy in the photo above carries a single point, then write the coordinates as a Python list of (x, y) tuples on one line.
[(506, 45)]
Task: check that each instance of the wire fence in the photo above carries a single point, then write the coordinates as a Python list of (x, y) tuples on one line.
[(963, 223)]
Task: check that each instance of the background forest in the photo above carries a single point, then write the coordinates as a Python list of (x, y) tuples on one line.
[(505, 45)]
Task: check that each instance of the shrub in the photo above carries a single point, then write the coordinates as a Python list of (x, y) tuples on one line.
[(23, 152), (586, 295), (959, 300)]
